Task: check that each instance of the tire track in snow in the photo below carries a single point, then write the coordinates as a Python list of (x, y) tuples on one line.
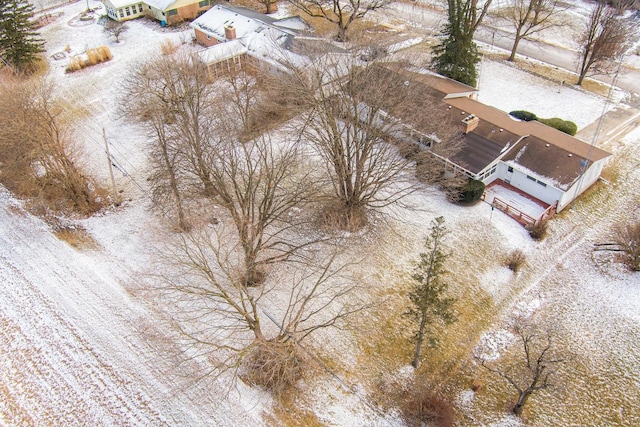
[(58, 383)]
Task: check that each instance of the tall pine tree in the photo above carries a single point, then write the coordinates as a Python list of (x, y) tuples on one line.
[(429, 304), (20, 44), (457, 55)]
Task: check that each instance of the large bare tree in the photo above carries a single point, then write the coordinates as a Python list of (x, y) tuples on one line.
[(199, 133), (339, 13), (352, 117), (531, 16), (263, 185), (606, 36), (534, 368), (252, 331)]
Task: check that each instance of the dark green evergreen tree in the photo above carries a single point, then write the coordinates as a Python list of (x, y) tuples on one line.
[(20, 44), (457, 55), (430, 306)]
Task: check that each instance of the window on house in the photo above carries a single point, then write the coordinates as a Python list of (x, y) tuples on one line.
[(172, 12), (510, 169), (121, 13), (541, 183), (140, 8), (531, 178), (126, 9), (208, 37), (203, 3)]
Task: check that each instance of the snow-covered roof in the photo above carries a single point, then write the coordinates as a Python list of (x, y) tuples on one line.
[(160, 4), (292, 23), (244, 21), (122, 3), (222, 51)]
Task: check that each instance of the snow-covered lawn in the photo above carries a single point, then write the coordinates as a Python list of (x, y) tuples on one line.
[(84, 343)]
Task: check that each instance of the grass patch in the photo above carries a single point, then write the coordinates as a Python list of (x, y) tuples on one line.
[(76, 236)]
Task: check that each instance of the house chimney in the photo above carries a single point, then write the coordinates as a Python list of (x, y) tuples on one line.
[(469, 123), (229, 32)]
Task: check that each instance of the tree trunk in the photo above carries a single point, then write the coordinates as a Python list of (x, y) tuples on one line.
[(342, 33), (519, 406), (514, 49), (416, 357)]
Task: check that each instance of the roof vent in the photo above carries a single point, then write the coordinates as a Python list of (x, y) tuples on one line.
[(570, 155), (501, 130), (546, 145)]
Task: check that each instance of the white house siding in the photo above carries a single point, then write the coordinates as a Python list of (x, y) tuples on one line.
[(590, 176), (124, 11), (521, 180)]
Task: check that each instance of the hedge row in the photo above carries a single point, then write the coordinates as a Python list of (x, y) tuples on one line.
[(565, 126)]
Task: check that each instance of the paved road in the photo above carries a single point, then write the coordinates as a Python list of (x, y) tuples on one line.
[(432, 20)]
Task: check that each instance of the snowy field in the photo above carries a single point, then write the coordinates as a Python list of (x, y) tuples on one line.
[(83, 343)]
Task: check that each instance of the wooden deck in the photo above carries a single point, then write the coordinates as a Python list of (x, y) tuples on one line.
[(526, 217)]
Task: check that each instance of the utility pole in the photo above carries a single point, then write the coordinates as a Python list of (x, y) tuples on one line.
[(116, 199)]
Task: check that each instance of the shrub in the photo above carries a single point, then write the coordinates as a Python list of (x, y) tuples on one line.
[(527, 116), (538, 231), (515, 260), (628, 238), (274, 365), (565, 126), (93, 57), (168, 47), (472, 191), (427, 408)]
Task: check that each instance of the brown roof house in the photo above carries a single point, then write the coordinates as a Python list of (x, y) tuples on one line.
[(535, 159)]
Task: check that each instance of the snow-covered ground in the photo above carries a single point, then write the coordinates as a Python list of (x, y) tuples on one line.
[(84, 343)]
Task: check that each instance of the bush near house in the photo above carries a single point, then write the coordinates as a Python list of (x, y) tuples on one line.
[(526, 116), (472, 191), (565, 126)]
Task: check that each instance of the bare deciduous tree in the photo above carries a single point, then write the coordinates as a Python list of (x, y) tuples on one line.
[(115, 28), (606, 36), (352, 116), (262, 185), (529, 17), (253, 331), (36, 152), (340, 13), (149, 101), (533, 370), (270, 5), (628, 239)]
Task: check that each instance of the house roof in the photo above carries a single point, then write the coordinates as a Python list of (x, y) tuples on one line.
[(245, 21), (222, 51), (117, 4), (160, 4), (542, 151), (450, 88), (502, 120)]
